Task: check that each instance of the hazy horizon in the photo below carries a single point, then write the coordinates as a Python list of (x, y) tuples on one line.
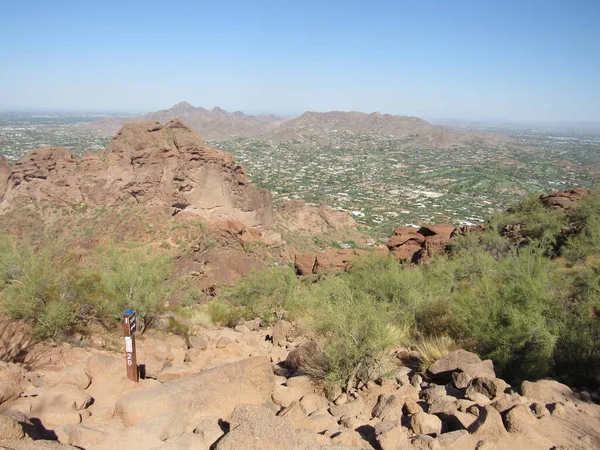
[(529, 61)]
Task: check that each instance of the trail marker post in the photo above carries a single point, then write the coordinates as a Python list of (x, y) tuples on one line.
[(129, 328)]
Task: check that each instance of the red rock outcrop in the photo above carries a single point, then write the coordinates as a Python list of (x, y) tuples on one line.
[(331, 260), (296, 215), (415, 245), (564, 200), (168, 166)]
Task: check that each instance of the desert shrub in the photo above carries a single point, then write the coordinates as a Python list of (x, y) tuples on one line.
[(587, 241), (48, 288), (136, 278), (433, 348), (577, 354), (539, 225), (264, 293), (511, 314), (355, 330), (222, 313)]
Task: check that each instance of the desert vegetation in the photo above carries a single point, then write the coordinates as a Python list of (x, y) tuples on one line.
[(524, 292), (529, 302)]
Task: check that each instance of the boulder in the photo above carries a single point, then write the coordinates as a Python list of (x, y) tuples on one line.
[(75, 375), (198, 342), (283, 331), (82, 436), (214, 392), (208, 429), (441, 370), (388, 408), (256, 427), (304, 263), (519, 419), (423, 423), (12, 382), (389, 434), (489, 387), (10, 428), (547, 391), (488, 426)]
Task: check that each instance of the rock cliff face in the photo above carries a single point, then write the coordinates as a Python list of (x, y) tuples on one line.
[(167, 166)]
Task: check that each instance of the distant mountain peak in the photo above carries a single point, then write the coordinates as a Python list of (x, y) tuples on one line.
[(182, 106)]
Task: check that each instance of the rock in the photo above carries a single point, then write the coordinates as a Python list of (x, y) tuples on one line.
[(197, 342), (284, 396), (168, 165), (348, 438), (491, 388), (547, 391), (441, 370), (167, 426), (443, 405), (82, 436), (505, 402), (283, 332), (488, 425), (461, 379), (12, 382), (312, 402), (564, 200), (259, 426), (304, 263), (223, 342), (412, 407), (214, 392), (433, 393), (453, 439), (318, 421), (388, 408), (175, 372), (480, 369), (388, 435), (423, 423), (519, 419), (424, 442), (457, 420), (53, 416), (208, 429), (539, 410), (350, 409), (132, 436), (75, 375), (62, 396), (10, 428)]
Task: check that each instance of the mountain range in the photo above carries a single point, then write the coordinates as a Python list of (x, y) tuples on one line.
[(217, 124)]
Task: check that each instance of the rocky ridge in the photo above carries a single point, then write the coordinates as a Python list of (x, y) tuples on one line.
[(167, 166), (226, 388)]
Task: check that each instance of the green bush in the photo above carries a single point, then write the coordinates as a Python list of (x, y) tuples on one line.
[(264, 293), (136, 278), (356, 332)]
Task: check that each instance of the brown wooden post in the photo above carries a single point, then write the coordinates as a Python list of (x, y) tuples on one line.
[(129, 328)]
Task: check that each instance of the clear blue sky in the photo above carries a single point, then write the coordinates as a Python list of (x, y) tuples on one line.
[(516, 59)]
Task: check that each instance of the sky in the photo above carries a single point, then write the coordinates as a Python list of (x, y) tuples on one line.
[(478, 59)]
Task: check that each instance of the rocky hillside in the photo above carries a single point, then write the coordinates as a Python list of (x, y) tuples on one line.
[(219, 124), (311, 125), (231, 389), (166, 166)]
